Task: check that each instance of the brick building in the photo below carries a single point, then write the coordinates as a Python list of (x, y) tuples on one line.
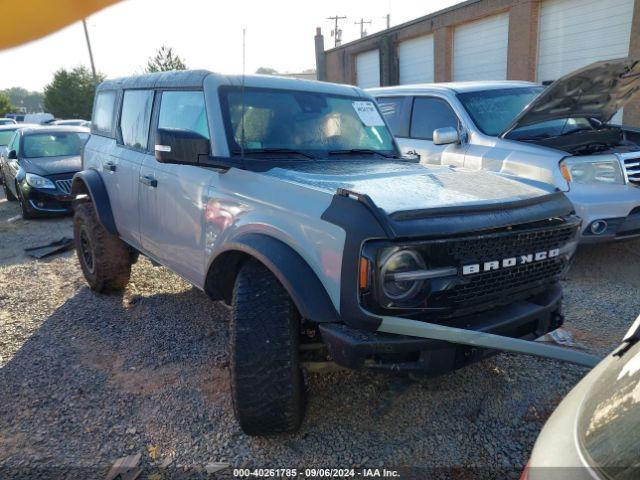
[(536, 40)]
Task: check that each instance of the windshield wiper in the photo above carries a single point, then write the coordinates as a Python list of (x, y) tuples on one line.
[(361, 151), (283, 151)]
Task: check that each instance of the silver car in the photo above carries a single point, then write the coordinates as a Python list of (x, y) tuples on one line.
[(560, 135)]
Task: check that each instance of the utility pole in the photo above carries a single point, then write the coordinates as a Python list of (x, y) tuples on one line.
[(336, 33), (86, 35), (362, 23)]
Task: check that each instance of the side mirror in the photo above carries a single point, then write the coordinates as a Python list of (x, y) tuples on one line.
[(181, 146), (445, 136), (12, 155)]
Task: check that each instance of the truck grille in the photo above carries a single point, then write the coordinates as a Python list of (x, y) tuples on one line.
[(499, 287), (64, 185), (632, 167)]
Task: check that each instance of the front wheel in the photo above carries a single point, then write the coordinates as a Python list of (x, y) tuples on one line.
[(27, 214), (266, 380), (7, 191), (104, 258)]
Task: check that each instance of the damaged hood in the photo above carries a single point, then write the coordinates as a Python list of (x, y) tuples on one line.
[(597, 91), (397, 186), (52, 165)]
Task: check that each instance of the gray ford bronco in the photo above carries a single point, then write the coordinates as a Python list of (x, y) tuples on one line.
[(288, 200)]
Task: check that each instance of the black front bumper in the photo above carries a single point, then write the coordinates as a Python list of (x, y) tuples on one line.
[(360, 349), (47, 202)]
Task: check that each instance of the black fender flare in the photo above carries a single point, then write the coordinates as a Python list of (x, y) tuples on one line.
[(89, 182), (291, 270)]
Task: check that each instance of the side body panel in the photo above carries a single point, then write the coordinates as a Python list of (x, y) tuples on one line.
[(173, 216), (240, 202), (119, 169)]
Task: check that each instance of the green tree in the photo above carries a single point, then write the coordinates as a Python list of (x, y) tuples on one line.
[(70, 94), (21, 98), (5, 104), (165, 60), (267, 71)]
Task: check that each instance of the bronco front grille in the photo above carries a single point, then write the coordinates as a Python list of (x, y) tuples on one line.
[(631, 165), (476, 292), (64, 185), (506, 244)]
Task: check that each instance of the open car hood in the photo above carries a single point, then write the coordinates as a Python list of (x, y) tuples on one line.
[(596, 91)]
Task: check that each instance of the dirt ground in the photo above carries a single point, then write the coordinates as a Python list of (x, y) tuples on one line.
[(88, 378)]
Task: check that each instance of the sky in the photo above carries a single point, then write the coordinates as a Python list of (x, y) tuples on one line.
[(205, 33)]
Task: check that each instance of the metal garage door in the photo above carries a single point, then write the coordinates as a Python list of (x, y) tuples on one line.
[(480, 49), (575, 33), (368, 69), (416, 60)]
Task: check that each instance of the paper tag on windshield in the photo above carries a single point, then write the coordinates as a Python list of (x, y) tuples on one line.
[(368, 114)]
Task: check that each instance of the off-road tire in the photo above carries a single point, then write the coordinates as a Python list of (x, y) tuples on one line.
[(266, 380), (7, 191), (104, 258)]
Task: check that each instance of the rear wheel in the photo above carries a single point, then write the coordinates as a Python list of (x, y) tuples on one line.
[(104, 258), (266, 380)]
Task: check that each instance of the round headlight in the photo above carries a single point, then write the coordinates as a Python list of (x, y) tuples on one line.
[(393, 286)]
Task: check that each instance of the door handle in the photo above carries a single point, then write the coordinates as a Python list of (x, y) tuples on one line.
[(109, 167), (149, 181)]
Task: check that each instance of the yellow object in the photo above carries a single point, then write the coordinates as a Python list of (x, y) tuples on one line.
[(565, 172), (27, 20)]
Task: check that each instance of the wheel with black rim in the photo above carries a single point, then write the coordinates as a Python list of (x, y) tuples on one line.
[(104, 258), (266, 380)]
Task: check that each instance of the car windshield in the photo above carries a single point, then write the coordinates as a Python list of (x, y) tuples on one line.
[(6, 136), (493, 110), (53, 144), (313, 124), (609, 420)]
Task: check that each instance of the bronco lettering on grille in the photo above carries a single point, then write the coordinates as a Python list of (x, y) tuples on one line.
[(509, 262)]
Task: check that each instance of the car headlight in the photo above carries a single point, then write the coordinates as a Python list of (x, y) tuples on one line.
[(37, 181), (604, 169), (396, 282)]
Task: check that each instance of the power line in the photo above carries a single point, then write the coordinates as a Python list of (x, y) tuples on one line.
[(362, 22), (86, 36), (336, 33)]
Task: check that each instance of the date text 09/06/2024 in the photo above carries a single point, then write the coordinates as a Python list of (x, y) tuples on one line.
[(315, 473)]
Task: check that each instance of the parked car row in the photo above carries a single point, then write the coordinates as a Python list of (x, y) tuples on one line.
[(42, 119)]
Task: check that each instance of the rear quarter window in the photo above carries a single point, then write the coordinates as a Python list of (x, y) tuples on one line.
[(104, 110)]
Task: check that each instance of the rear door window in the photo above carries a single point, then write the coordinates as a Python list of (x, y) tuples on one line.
[(104, 113), (184, 110), (136, 117), (396, 112), (430, 114)]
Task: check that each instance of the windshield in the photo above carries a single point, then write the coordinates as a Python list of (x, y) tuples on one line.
[(493, 110), (609, 421), (53, 144), (308, 122), (6, 136)]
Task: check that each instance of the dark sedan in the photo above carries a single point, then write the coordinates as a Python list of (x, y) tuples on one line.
[(594, 434), (40, 164)]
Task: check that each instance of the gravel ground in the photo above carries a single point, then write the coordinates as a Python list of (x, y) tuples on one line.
[(88, 378)]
